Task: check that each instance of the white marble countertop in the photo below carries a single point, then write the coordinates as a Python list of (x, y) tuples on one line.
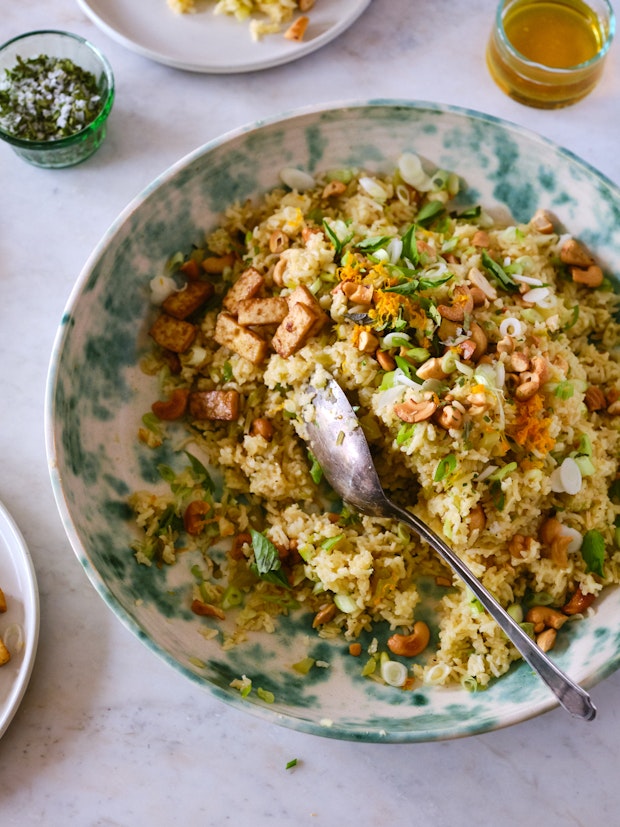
[(107, 734)]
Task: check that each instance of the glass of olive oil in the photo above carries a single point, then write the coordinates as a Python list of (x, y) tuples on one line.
[(549, 53)]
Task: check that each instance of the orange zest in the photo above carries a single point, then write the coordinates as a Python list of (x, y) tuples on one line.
[(531, 427)]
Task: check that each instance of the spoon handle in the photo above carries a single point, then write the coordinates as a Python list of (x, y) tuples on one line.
[(571, 696)]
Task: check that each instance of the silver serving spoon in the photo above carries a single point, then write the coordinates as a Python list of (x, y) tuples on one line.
[(337, 440)]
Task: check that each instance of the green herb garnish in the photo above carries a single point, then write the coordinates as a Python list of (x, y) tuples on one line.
[(496, 270), (47, 98), (593, 551)]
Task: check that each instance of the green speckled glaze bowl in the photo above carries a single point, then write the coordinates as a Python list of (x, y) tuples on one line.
[(97, 395)]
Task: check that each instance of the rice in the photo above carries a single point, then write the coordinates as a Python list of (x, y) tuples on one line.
[(487, 381), (265, 16)]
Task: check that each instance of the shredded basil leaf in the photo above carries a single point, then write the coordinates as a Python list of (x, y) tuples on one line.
[(430, 211), (410, 247), (593, 551), (372, 244), (200, 471), (496, 270), (267, 561)]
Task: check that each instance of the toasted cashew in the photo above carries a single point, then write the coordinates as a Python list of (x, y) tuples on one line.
[(549, 530), (544, 617), (477, 518), (480, 338), (529, 385), (367, 342), (578, 603), (450, 418), (207, 610), (194, 517), (572, 252), (297, 29), (326, 613), (411, 411), (506, 345), (431, 369), (410, 645), (278, 241), (542, 221), (278, 272), (518, 362), (217, 264), (545, 640), (333, 188), (262, 426), (591, 276), (385, 359), (481, 239), (594, 399)]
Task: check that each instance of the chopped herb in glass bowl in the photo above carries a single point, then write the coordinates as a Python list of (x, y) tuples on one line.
[(56, 92)]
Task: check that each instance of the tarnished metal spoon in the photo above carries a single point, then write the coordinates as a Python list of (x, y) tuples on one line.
[(337, 440)]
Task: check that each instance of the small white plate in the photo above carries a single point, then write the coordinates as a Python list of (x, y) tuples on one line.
[(205, 42), (18, 582)]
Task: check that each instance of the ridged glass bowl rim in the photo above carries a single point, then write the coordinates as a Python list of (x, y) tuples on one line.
[(555, 70), (93, 126)]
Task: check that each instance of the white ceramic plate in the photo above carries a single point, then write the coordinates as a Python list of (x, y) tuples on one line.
[(18, 582), (205, 42)]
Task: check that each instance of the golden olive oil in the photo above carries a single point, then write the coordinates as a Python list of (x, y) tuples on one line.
[(557, 34), (548, 53)]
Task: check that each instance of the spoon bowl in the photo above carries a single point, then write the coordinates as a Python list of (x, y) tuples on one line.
[(338, 442)]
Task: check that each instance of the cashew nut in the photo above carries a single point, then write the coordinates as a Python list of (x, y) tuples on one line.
[(544, 617), (385, 359), (207, 610), (261, 426), (591, 276), (333, 188), (529, 385), (477, 518), (174, 407), (431, 369), (594, 398), (367, 342), (278, 241), (578, 603), (326, 613), (412, 411), (572, 252), (478, 335), (542, 221), (450, 417), (546, 639), (410, 645)]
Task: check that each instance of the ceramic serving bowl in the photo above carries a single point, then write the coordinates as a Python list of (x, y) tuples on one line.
[(97, 395)]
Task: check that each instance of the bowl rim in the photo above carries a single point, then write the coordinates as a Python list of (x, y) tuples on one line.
[(528, 710), (92, 126)]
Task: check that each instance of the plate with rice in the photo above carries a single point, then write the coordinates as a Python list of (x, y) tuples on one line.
[(456, 275), (223, 36)]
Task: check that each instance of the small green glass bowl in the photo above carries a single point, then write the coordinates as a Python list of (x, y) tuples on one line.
[(75, 148)]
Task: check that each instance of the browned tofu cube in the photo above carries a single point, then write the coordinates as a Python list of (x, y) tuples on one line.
[(247, 343), (183, 303), (246, 287), (294, 330), (173, 334), (262, 311), (301, 295), (214, 405)]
